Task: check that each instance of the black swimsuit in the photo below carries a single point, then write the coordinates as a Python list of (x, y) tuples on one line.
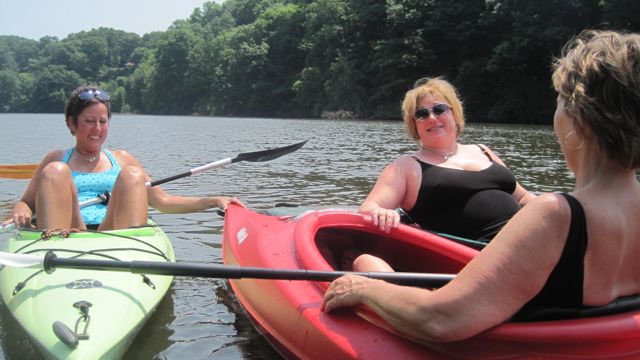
[(563, 291), (470, 204)]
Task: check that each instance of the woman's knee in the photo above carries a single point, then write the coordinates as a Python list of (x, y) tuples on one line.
[(368, 262), (131, 176), (56, 171)]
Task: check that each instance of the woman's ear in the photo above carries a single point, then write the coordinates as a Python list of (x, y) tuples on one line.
[(71, 125)]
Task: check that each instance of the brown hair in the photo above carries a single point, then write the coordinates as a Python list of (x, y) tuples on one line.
[(598, 76), (430, 86), (75, 105)]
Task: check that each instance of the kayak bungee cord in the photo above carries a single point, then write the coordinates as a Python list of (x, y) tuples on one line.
[(47, 234), (63, 233), (20, 285)]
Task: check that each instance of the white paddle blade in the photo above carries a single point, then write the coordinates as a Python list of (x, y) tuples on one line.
[(22, 260), (8, 227)]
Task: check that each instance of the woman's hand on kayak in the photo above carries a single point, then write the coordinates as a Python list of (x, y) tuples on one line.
[(20, 216), (224, 201), (385, 219), (346, 290)]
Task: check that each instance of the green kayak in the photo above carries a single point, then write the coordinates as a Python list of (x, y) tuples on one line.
[(86, 314)]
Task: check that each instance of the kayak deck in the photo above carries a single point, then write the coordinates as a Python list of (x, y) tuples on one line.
[(288, 312), (106, 309)]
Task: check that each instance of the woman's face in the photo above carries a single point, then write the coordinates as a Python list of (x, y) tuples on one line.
[(435, 130), (92, 127)]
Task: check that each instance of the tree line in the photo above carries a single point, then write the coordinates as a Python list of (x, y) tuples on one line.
[(300, 58)]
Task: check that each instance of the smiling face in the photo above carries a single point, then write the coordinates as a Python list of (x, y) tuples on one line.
[(91, 127), (436, 130), (429, 91)]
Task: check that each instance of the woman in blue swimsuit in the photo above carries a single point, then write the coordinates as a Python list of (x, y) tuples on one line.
[(64, 178), (567, 252)]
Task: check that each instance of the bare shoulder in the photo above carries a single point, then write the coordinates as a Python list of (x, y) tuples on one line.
[(53, 155), (552, 203), (399, 164), (406, 160), (124, 157), (405, 164), (546, 217), (120, 152)]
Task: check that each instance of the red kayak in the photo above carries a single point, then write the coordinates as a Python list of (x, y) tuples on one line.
[(288, 312)]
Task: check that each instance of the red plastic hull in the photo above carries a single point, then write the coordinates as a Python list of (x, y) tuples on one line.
[(289, 311)]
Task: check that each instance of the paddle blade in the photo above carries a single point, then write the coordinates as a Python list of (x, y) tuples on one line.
[(21, 260), (17, 171), (8, 227), (270, 154)]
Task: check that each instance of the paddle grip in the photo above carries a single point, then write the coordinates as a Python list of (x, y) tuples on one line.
[(47, 263)]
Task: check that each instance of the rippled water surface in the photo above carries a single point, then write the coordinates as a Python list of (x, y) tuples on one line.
[(200, 318)]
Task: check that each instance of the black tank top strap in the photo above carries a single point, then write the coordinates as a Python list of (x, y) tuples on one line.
[(423, 165), (485, 151), (571, 264)]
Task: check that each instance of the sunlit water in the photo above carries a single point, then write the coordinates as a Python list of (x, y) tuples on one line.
[(200, 318)]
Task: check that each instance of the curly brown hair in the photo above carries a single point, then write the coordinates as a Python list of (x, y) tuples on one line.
[(598, 76)]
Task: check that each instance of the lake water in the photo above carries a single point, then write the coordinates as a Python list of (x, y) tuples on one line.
[(200, 319)]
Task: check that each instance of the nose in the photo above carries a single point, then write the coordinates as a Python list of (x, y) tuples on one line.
[(431, 116)]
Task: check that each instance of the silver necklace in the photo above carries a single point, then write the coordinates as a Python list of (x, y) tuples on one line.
[(446, 156), (88, 158)]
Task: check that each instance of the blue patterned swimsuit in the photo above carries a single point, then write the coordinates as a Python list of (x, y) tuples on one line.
[(90, 185)]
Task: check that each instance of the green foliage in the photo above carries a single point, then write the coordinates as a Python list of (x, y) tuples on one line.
[(8, 86), (304, 57), (51, 88)]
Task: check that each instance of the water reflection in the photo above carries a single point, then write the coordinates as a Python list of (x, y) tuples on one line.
[(531, 152)]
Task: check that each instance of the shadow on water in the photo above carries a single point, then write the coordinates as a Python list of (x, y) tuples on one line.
[(251, 343), (14, 341), (155, 334)]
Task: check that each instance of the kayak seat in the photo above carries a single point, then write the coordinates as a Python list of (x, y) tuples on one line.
[(340, 246), (620, 305)]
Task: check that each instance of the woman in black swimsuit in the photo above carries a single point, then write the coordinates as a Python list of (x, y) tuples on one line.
[(445, 186), (568, 252)]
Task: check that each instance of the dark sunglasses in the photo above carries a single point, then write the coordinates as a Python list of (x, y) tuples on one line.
[(437, 110), (94, 93)]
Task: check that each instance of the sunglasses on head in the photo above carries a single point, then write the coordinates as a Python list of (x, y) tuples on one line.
[(93, 94), (437, 110)]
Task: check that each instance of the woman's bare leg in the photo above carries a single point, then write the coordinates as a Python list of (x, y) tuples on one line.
[(57, 199), (128, 204), (371, 263)]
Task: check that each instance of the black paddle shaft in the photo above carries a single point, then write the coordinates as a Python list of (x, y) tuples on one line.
[(171, 178), (51, 262)]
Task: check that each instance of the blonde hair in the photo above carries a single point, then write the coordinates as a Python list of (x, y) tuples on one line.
[(435, 87), (598, 76)]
